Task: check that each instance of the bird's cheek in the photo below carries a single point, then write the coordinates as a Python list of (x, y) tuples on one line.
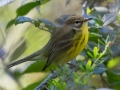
[(77, 29), (71, 25)]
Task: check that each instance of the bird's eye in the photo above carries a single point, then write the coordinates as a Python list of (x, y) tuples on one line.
[(78, 23)]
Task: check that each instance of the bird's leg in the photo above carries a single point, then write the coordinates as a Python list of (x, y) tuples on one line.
[(59, 67), (51, 70), (71, 65)]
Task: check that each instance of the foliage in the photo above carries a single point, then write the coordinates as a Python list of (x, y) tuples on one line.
[(101, 56)]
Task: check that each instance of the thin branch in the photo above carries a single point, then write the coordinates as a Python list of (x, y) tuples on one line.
[(104, 51), (44, 83), (105, 81), (44, 29), (54, 75)]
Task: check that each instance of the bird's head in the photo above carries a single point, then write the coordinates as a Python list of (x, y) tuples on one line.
[(77, 22)]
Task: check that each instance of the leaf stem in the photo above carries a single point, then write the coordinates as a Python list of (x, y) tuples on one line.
[(105, 81), (44, 29)]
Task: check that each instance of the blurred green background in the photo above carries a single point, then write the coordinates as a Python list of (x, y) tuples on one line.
[(21, 40), (18, 41)]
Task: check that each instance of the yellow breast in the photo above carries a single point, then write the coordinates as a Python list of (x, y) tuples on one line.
[(79, 43)]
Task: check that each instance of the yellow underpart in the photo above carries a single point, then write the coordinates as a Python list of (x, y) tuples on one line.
[(75, 50)]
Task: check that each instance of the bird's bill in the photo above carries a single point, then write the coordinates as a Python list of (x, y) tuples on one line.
[(87, 19)]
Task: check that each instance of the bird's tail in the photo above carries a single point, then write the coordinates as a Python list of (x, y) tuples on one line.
[(31, 57)]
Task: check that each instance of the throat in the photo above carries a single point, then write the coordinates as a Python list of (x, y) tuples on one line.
[(79, 44)]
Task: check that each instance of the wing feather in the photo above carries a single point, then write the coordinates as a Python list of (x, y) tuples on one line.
[(60, 45)]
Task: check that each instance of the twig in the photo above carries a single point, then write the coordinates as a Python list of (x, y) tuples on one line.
[(105, 81), (54, 75), (104, 51), (44, 29), (44, 83)]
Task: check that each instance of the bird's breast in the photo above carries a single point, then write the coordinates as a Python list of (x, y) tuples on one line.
[(79, 43)]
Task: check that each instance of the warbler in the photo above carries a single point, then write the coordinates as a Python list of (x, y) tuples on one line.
[(64, 45)]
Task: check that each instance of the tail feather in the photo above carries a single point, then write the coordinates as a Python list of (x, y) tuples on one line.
[(28, 58)]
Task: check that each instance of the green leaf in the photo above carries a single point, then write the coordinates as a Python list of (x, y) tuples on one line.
[(95, 52), (82, 68), (94, 35), (114, 62), (108, 18), (90, 54), (63, 85), (94, 30), (101, 42), (114, 79), (47, 23), (112, 76), (51, 87), (99, 21), (22, 19), (23, 10), (89, 63), (100, 55), (10, 23), (99, 70)]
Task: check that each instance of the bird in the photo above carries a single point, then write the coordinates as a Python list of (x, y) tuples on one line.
[(64, 45)]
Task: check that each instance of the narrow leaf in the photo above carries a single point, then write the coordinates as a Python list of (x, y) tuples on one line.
[(23, 10), (100, 55), (88, 64), (108, 18), (10, 23), (95, 51), (46, 22), (90, 54), (22, 19), (94, 35), (99, 70), (82, 68)]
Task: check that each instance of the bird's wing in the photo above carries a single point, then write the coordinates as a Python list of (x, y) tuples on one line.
[(61, 42)]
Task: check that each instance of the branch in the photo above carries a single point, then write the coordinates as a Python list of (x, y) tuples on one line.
[(44, 29), (55, 74), (44, 83)]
